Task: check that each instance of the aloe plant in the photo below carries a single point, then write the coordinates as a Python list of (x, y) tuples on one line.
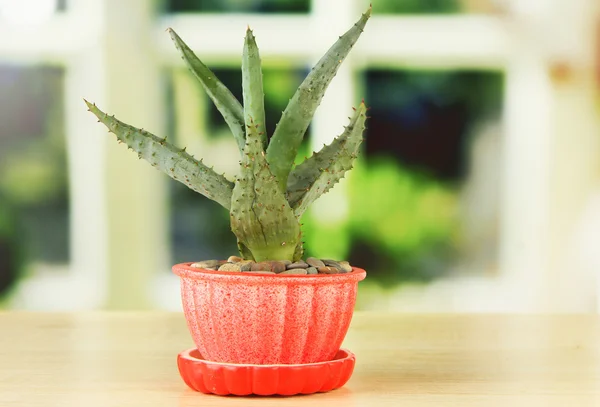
[(267, 198)]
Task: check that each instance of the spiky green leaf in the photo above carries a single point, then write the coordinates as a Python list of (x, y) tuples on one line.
[(252, 85), (319, 173), (171, 160), (290, 130), (230, 108), (261, 217)]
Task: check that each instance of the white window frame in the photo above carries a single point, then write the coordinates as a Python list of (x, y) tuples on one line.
[(119, 233)]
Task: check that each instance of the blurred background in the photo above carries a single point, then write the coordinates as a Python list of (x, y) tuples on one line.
[(477, 188)]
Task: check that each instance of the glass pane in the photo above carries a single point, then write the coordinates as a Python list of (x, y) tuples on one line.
[(34, 210), (434, 6), (431, 137), (239, 6), (200, 227)]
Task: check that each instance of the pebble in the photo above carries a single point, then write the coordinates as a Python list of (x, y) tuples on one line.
[(332, 263), (234, 259), (312, 270), (297, 265), (277, 266), (287, 262), (346, 267), (246, 265), (230, 267), (295, 271), (262, 266), (328, 270), (207, 264), (315, 262)]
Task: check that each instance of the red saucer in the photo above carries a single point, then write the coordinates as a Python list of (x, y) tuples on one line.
[(264, 380)]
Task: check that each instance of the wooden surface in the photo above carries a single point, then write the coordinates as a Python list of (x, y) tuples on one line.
[(128, 359)]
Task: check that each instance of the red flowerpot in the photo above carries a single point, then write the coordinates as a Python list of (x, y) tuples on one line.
[(267, 319)]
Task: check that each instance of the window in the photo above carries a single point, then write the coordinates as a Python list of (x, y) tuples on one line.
[(426, 68)]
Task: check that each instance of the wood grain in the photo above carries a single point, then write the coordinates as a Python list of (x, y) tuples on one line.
[(128, 359)]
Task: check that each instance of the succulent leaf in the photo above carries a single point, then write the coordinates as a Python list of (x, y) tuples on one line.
[(261, 217), (173, 161), (226, 103), (319, 173), (252, 85), (290, 130)]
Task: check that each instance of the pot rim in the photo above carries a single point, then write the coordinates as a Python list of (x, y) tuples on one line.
[(184, 270)]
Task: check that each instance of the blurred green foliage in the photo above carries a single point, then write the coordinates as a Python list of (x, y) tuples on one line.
[(33, 171), (240, 6), (412, 210), (36, 172), (415, 6)]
